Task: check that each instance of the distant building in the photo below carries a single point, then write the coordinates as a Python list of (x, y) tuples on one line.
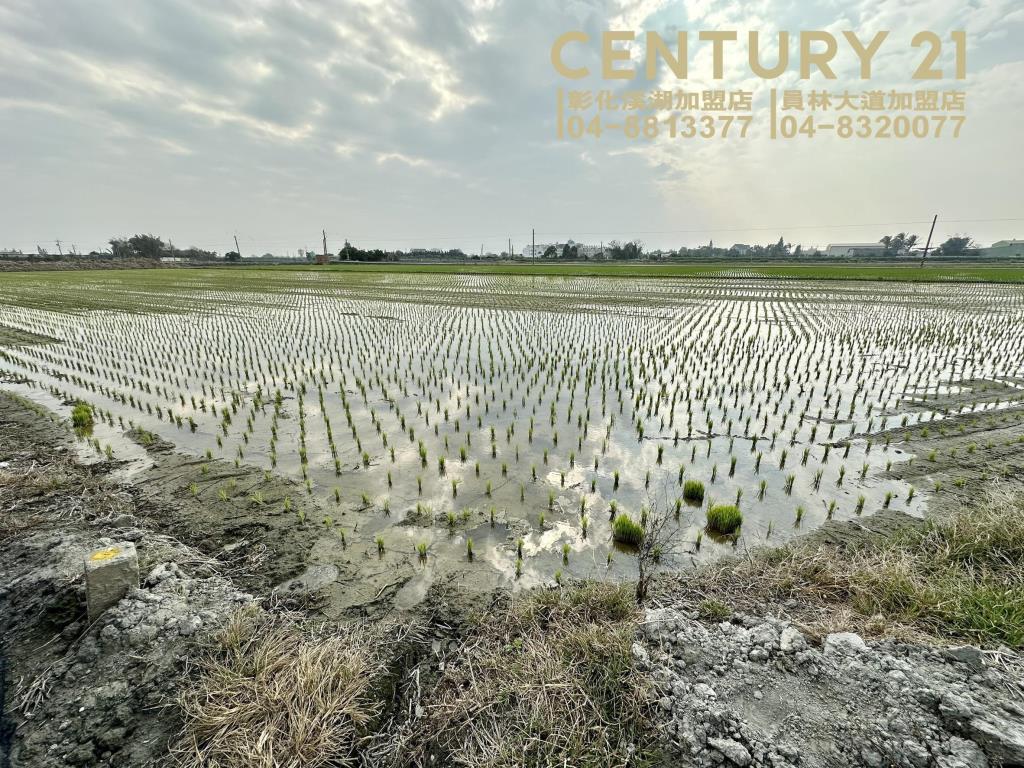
[(1004, 249), (587, 251), (855, 249), (582, 251), (741, 248)]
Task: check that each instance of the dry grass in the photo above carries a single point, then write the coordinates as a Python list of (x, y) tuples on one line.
[(550, 680), (33, 493), (961, 578), (273, 695)]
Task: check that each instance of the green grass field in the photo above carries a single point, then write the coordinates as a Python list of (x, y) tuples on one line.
[(908, 273)]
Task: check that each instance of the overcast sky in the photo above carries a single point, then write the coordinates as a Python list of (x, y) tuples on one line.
[(401, 124)]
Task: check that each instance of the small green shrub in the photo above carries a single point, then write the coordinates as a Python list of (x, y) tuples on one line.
[(713, 610)]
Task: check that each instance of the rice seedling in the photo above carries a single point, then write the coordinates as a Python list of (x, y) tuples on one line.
[(625, 530), (82, 416), (333, 394), (724, 519), (693, 491)]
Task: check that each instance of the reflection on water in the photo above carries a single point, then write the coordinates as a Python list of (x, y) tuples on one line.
[(547, 399)]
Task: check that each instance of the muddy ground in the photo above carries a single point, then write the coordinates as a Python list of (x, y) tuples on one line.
[(738, 689)]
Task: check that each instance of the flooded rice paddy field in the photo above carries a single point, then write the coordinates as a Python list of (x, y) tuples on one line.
[(487, 426)]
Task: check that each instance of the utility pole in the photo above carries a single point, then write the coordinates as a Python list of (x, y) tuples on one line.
[(927, 245), (325, 246), (237, 249), (533, 243)]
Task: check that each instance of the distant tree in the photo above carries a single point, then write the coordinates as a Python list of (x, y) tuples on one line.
[(898, 243), (146, 246), (957, 245), (779, 249), (194, 254), (139, 247), (347, 253), (634, 249), (232, 256), (550, 252), (351, 253), (119, 248)]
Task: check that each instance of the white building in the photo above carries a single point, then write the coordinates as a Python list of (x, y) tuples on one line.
[(1010, 249), (582, 251), (855, 249)]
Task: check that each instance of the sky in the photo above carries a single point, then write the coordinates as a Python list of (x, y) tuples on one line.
[(399, 124)]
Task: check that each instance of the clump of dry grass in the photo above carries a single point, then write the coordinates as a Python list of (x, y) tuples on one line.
[(550, 680), (957, 577), (272, 694)]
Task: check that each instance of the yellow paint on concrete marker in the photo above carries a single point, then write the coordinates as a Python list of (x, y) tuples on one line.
[(105, 554)]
